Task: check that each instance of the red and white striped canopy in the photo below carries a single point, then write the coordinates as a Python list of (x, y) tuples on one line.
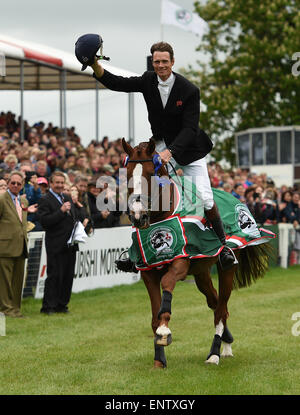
[(43, 66)]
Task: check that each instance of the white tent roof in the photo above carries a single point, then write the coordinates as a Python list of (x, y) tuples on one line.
[(43, 65)]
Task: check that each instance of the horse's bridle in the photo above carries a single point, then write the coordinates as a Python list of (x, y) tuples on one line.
[(156, 160)]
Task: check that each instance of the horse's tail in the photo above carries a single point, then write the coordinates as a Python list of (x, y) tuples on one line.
[(253, 264)]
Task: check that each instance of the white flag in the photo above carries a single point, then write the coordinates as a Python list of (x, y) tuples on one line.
[(173, 14)]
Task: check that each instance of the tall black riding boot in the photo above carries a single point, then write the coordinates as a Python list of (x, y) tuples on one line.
[(227, 258)]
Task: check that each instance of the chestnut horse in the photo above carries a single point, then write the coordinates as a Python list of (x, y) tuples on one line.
[(142, 161)]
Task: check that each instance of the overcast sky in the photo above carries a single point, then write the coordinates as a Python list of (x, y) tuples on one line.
[(128, 28)]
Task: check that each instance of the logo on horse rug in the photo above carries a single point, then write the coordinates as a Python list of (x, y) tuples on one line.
[(245, 221), (161, 242)]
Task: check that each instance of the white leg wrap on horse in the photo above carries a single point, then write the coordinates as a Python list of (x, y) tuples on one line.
[(163, 330), (215, 358), (227, 350), (220, 328), (163, 336)]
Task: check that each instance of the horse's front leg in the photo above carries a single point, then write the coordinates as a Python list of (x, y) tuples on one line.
[(220, 317), (177, 271), (152, 282)]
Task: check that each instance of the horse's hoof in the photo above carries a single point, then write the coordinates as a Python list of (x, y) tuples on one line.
[(164, 340), (213, 359), (227, 350), (159, 365), (163, 336)]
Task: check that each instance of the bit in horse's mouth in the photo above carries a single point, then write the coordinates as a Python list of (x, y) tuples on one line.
[(142, 223)]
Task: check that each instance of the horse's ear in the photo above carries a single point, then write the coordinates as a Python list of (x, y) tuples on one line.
[(127, 147), (151, 147)]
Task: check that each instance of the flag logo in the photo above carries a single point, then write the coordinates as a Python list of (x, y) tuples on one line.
[(173, 14), (183, 16)]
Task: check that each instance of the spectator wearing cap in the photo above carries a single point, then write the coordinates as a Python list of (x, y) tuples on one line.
[(270, 182), (108, 169), (43, 184)]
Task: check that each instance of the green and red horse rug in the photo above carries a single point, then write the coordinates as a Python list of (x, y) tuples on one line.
[(187, 233)]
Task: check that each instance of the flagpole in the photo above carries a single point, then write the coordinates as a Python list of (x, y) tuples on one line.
[(161, 25)]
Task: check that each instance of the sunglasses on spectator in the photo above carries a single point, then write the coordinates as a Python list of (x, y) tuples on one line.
[(16, 183)]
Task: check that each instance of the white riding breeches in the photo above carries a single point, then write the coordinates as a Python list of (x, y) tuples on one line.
[(197, 170)]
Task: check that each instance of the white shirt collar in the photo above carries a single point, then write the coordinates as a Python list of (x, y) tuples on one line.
[(168, 81)]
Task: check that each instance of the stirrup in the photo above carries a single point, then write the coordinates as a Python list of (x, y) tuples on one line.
[(125, 264), (230, 261)]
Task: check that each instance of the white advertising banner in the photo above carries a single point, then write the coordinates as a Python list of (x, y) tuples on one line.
[(95, 263)]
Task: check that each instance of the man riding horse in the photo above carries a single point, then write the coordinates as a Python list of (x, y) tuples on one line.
[(173, 105)]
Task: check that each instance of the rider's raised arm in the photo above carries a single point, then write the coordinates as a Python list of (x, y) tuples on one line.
[(115, 82)]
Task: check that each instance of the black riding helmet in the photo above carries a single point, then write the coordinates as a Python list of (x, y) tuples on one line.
[(86, 49)]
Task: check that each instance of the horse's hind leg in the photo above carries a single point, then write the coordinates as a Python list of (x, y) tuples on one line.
[(205, 285), (227, 340), (152, 283), (221, 314)]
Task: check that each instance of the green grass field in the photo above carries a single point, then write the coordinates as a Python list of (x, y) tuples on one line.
[(105, 345)]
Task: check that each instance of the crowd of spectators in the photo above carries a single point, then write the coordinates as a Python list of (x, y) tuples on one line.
[(47, 148), (268, 204)]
